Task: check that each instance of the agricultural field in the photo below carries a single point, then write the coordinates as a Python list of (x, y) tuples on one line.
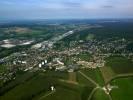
[(120, 65), (95, 75), (107, 74), (23, 85), (84, 81), (100, 95), (123, 90)]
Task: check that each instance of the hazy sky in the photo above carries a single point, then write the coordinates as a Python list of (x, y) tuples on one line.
[(53, 9)]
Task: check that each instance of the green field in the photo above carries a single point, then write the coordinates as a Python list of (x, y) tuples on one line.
[(64, 93), (20, 79), (107, 73), (95, 75), (67, 92), (85, 56), (124, 90), (36, 85), (30, 88), (100, 95), (83, 81), (120, 65)]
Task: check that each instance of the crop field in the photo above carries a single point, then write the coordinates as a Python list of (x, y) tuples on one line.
[(124, 89), (100, 95), (64, 93), (57, 74), (72, 76), (37, 86), (120, 65), (107, 73), (83, 81), (30, 88), (94, 74)]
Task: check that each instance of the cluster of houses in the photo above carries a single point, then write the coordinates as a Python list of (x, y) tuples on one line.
[(109, 88), (36, 58), (91, 65)]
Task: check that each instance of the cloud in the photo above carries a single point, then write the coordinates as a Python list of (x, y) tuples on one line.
[(72, 4), (65, 8), (107, 6)]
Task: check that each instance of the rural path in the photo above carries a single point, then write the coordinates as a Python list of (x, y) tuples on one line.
[(97, 86), (88, 78), (120, 76), (109, 96), (92, 92), (41, 98)]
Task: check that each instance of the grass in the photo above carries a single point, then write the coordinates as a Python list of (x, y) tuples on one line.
[(63, 93), (3, 68), (84, 56), (72, 76), (124, 90), (107, 73), (38, 86), (100, 95), (29, 89), (83, 81), (20, 79), (57, 74), (70, 92), (90, 37), (120, 64), (95, 75)]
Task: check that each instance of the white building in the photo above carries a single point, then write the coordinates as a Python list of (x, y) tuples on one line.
[(40, 65), (52, 88), (46, 61)]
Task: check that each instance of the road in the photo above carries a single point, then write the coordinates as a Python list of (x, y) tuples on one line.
[(120, 76), (41, 98), (92, 92), (88, 78), (97, 86)]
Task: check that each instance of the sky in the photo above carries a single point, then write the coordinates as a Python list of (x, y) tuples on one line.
[(65, 9)]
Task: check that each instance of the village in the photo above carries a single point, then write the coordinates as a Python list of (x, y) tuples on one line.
[(41, 56)]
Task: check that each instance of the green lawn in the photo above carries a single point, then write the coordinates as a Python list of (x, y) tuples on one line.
[(124, 90)]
